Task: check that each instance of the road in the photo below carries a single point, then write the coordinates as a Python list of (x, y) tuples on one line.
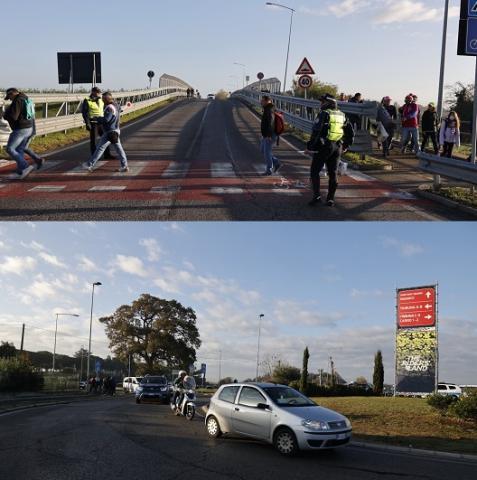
[(199, 160), (117, 439)]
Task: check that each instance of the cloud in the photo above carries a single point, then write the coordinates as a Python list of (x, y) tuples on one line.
[(400, 11), (154, 251), (166, 286), (17, 265), (289, 312), (87, 265), (51, 259), (41, 289), (173, 227), (405, 249), (347, 7), (131, 265), (33, 245), (356, 293)]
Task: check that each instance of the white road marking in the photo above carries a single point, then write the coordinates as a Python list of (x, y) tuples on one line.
[(176, 170), (226, 190), (222, 170), (360, 176), (198, 133), (166, 189), (287, 191), (107, 188), (79, 170), (135, 168), (47, 188), (400, 195)]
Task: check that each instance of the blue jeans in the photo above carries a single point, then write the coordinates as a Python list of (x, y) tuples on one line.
[(410, 133), (103, 144), (266, 148), (17, 141)]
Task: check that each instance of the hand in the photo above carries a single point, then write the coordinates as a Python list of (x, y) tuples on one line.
[(88, 127)]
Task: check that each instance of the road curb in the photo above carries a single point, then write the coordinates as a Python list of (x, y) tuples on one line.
[(415, 451), (445, 201)]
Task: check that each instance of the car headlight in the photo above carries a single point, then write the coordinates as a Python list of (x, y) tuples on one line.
[(348, 423), (164, 389), (315, 425)]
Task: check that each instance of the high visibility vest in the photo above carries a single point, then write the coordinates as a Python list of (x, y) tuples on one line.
[(336, 128), (95, 109)]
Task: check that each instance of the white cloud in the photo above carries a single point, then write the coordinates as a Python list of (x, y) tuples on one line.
[(173, 227), (87, 265), (188, 265), (289, 312), (154, 251), (52, 260), (17, 265), (399, 11), (166, 286), (347, 7), (33, 245), (129, 264), (356, 293), (41, 289), (405, 249)]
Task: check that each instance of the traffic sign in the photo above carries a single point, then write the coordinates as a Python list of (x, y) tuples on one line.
[(472, 10), (260, 76), (305, 81), (416, 307), (305, 68)]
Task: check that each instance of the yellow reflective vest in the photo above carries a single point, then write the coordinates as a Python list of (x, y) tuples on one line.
[(336, 128), (95, 109)]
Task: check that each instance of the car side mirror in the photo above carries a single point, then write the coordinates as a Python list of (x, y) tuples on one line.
[(263, 406)]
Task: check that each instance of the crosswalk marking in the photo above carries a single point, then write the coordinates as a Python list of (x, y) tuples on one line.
[(47, 188), (226, 190), (166, 189), (107, 188), (284, 191), (176, 170), (360, 177), (222, 170), (79, 170), (135, 168)]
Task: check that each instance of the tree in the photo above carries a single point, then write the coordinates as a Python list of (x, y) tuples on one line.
[(157, 331), (7, 350), (284, 374), (225, 380), (461, 100), (317, 89), (378, 374), (304, 371), (361, 380)]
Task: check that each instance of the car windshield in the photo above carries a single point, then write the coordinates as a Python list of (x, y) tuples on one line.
[(287, 397), (155, 380)]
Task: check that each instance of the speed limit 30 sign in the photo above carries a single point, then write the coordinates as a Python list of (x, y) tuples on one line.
[(305, 81)]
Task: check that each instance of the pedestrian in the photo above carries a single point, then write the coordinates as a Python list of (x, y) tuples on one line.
[(111, 135), (188, 93), (387, 116), (332, 135), (269, 136), (429, 128), (113, 386), (355, 119), (40, 161), (450, 134), (92, 385), (93, 111), (20, 115), (410, 124)]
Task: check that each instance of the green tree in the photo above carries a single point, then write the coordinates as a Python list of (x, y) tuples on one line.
[(284, 374), (7, 350), (460, 99), (304, 371), (225, 380), (378, 374), (317, 89), (155, 330)]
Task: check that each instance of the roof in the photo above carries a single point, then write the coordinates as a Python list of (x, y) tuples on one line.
[(256, 384)]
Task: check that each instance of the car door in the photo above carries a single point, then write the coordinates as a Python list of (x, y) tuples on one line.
[(224, 404), (248, 418)]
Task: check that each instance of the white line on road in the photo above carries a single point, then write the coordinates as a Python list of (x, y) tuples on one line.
[(135, 168), (176, 170), (107, 188), (166, 189), (79, 170), (198, 133), (47, 188), (289, 192), (222, 170), (226, 190), (360, 177)]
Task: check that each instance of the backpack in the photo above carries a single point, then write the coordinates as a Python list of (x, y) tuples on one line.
[(29, 109), (279, 122), (348, 134)]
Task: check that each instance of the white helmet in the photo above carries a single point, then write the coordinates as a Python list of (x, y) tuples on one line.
[(182, 372)]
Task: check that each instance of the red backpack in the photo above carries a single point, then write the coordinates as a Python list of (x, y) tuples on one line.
[(279, 123)]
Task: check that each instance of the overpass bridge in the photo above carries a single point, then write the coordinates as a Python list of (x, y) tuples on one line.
[(200, 160)]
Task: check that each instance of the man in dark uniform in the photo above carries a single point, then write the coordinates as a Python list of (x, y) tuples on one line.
[(332, 135)]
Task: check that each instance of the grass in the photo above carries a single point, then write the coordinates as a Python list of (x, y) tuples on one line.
[(366, 163), (404, 422), (461, 195), (57, 140)]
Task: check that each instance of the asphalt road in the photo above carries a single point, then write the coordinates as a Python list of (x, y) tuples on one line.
[(117, 439), (199, 160)]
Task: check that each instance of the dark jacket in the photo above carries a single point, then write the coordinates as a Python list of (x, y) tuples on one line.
[(110, 120), (15, 113), (319, 133), (429, 121), (268, 120)]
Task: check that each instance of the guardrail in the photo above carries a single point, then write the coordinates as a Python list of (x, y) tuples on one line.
[(300, 113), (68, 107), (448, 167)]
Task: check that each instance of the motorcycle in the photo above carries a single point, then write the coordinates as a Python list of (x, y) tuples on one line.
[(185, 398)]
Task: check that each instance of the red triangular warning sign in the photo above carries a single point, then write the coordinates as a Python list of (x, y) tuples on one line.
[(305, 68)]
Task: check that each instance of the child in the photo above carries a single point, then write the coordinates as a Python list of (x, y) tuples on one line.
[(450, 134)]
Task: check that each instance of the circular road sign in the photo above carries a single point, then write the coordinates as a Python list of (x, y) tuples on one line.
[(305, 81), (260, 76), (150, 74)]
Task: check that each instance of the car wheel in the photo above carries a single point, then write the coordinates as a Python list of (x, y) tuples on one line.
[(213, 427), (285, 442)]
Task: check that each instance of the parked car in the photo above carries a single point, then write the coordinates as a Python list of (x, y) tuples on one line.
[(210, 96), (276, 414), (153, 387), (130, 384), (83, 384), (449, 389)]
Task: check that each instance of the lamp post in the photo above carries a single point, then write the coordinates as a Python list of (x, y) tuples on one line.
[(56, 330), (258, 343), (243, 72), (292, 11), (95, 284)]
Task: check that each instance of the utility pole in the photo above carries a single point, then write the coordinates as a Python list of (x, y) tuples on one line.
[(91, 327), (258, 344), (220, 365), (81, 363), (23, 338)]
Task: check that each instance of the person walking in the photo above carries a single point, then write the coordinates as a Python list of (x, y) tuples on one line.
[(450, 134), (387, 116), (332, 135), (429, 128), (111, 136), (93, 111), (269, 136), (353, 118), (20, 115), (410, 124)]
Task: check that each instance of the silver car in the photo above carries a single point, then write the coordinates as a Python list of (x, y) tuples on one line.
[(276, 414)]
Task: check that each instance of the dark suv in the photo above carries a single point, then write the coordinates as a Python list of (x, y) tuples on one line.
[(153, 387)]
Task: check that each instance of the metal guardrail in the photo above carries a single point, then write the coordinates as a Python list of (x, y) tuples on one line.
[(448, 167), (300, 114), (68, 116)]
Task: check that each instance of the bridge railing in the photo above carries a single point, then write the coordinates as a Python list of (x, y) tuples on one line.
[(62, 112)]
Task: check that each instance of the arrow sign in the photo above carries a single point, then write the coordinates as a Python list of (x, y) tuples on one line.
[(428, 294), (416, 307), (305, 68)]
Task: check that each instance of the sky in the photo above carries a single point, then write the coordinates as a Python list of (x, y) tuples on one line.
[(330, 287), (377, 47)]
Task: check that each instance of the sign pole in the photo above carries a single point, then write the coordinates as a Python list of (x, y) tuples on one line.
[(474, 119)]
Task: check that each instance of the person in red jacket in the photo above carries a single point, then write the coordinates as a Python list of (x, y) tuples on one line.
[(410, 123)]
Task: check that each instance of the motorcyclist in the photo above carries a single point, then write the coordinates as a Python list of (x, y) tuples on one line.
[(179, 388)]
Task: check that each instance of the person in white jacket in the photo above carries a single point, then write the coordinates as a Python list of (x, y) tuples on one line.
[(450, 134)]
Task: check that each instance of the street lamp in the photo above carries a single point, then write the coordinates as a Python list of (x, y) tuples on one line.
[(258, 344), (95, 284), (56, 330), (289, 39), (243, 77)]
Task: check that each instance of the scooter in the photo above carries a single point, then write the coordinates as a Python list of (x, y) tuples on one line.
[(187, 406)]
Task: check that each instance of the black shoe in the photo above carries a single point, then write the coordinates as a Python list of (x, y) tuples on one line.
[(315, 201), (330, 203), (267, 173), (277, 167), (40, 163)]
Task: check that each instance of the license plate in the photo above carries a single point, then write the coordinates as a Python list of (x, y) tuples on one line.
[(341, 436)]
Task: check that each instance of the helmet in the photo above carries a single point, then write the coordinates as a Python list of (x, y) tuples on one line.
[(182, 373), (328, 100)]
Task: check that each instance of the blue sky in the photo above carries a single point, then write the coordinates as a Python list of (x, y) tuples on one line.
[(378, 47), (328, 286)]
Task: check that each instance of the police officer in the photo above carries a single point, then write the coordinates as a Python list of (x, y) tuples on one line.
[(332, 135), (92, 110)]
